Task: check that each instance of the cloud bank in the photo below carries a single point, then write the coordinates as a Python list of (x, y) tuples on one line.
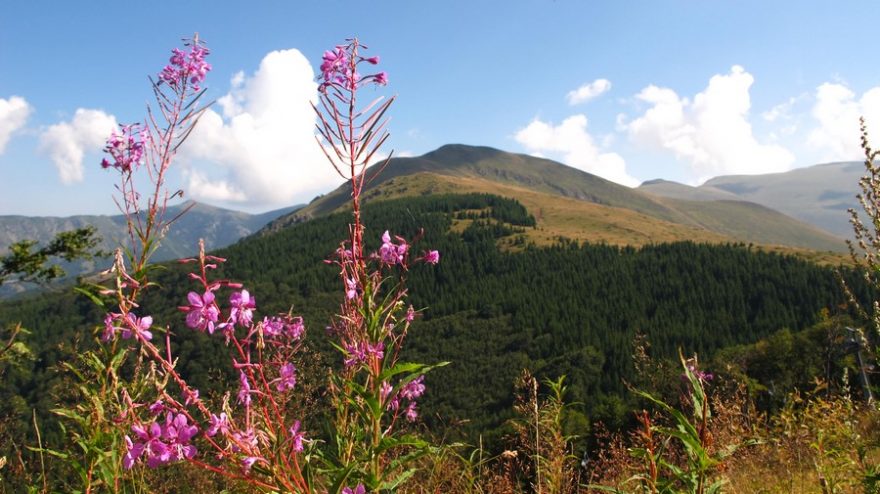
[(260, 148), (576, 146), (14, 112), (67, 142), (711, 133), (837, 111)]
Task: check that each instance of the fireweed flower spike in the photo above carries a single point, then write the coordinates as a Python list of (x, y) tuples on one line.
[(374, 318), (186, 67)]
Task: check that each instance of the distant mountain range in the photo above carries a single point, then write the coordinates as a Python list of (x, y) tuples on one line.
[(217, 226), (574, 204), (819, 195), (803, 210)]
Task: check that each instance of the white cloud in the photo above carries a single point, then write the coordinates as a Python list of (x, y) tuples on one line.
[(571, 140), (262, 149), (212, 190), (712, 133), (67, 142), (14, 113), (781, 111), (588, 91), (837, 112)]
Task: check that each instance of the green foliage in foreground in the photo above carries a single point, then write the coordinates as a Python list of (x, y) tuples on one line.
[(570, 309), (25, 263)]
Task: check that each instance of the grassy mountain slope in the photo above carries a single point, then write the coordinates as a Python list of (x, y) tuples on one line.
[(574, 204), (675, 190)]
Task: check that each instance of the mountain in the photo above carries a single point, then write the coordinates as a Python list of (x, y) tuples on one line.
[(571, 203), (819, 195), (217, 226)]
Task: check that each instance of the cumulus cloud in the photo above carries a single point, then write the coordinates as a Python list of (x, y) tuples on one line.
[(712, 132), (260, 149), (576, 147), (588, 91), (67, 142), (837, 113), (14, 113)]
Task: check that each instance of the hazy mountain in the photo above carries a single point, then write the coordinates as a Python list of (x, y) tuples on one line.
[(668, 188), (819, 195), (575, 204), (217, 226)]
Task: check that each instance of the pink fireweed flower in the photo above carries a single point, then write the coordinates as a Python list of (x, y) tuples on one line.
[(191, 396), (247, 437), (411, 413), (218, 424), (272, 327), (149, 443), (157, 407), (110, 326), (201, 313), (385, 393), (243, 305), (390, 253), (413, 389), (432, 257), (289, 327), (137, 326), (178, 433), (186, 67), (701, 375), (161, 443), (360, 489), (126, 149), (295, 328), (351, 288), (133, 451), (249, 461), (244, 393), (361, 352), (385, 390), (334, 63), (410, 314), (298, 436), (287, 378), (339, 68)]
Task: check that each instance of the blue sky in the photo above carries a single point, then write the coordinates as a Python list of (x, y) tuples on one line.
[(631, 91)]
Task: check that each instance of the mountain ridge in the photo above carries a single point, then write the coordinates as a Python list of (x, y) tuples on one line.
[(481, 168), (819, 195), (219, 227)]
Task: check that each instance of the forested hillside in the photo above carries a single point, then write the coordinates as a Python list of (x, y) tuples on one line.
[(493, 306)]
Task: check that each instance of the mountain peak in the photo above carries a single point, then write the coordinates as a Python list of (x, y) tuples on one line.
[(462, 152)]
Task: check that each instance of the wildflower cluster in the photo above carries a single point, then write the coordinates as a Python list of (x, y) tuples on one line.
[(129, 326), (256, 431), (339, 68), (126, 149), (186, 67), (161, 443)]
